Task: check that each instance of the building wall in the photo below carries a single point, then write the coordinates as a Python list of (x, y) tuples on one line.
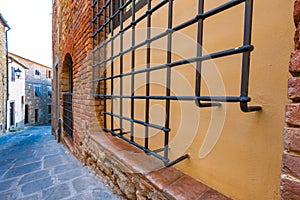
[(16, 96), (290, 182), (3, 75), (37, 104), (244, 160)]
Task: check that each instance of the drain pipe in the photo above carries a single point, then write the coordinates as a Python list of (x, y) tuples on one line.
[(7, 79)]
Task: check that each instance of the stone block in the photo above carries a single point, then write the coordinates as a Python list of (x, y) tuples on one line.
[(57, 192), (296, 12), (294, 66), (291, 139), (292, 114), (294, 89), (291, 164), (37, 185), (290, 188)]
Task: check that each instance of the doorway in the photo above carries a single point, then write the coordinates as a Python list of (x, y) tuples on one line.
[(12, 113), (26, 114)]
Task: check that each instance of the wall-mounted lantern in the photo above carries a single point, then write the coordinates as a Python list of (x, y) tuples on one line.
[(18, 72)]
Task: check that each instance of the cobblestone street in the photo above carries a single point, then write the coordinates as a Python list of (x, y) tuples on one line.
[(33, 166)]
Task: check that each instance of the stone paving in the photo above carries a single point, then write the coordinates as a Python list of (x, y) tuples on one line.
[(33, 166)]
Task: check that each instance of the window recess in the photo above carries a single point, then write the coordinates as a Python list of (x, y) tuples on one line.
[(106, 15)]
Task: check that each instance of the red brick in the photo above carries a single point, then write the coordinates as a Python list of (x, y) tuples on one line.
[(291, 139), (186, 188), (292, 115), (213, 195), (297, 12), (290, 188), (294, 66), (294, 88), (291, 164), (164, 177)]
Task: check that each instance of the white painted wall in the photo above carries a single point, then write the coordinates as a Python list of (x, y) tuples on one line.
[(16, 91)]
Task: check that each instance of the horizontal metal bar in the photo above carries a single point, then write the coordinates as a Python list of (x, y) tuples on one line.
[(138, 122), (177, 160), (70, 128), (68, 118), (148, 151), (183, 98), (68, 102), (186, 61), (66, 109)]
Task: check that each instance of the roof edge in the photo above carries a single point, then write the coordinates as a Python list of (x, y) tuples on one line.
[(4, 21)]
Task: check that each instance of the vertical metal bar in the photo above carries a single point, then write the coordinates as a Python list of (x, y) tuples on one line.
[(247, 41), (200, 53), (132, 69), (112, 65), (93, 47), (121, 64), (148, 60), (104, 71), (246, 58), (168, 82)]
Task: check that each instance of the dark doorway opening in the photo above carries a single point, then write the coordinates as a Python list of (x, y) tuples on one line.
[(12, 113), (26, 114), (36, 115)]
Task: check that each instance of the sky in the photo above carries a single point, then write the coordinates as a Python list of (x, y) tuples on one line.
[(31, 28)]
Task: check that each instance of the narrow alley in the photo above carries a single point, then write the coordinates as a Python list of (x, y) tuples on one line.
[(34, 166)]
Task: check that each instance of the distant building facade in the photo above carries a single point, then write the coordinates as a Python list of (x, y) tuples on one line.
[(3, 72), (37, 108), (16, 95)]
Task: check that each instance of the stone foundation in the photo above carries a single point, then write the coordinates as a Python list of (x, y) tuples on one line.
[(135, 175)]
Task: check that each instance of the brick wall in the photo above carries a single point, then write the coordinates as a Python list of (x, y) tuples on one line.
[(290, 179), (3, 74)]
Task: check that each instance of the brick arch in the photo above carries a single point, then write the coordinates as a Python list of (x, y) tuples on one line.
[(66, 76), (66, 95)]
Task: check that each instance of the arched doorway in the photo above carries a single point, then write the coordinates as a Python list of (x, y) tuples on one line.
[(67, 93)]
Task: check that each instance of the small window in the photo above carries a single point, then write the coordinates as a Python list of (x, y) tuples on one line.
[(13, 75), (49, 92), (49, 109), (36, 115), (37, 91), (37, 72), (48, 74)]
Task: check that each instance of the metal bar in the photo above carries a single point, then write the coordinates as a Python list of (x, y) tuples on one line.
[(121, 67), (177, 160), (112, 68), (214, 55), (229, 99), (148, 60), (139, 122), (246, 58), (104, 71), (168, 79), (132, 69)]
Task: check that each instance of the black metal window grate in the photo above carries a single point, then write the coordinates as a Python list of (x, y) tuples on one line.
[(68, 114), (105, 16)]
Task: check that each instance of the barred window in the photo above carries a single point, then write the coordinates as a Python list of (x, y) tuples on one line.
[(114, 25)]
